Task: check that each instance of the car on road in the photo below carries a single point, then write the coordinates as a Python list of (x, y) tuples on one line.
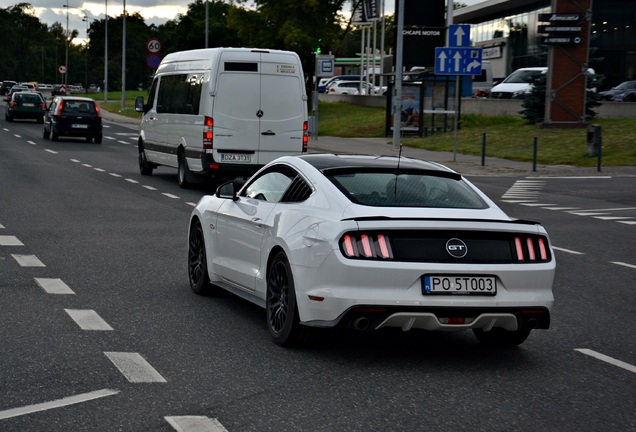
[(73, 116), (26, 105), (13, 90), (372, 242), (518, 84), (6, 86), (624, 92)]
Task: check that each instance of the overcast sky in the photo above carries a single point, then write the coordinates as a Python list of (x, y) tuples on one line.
[(154, 11)]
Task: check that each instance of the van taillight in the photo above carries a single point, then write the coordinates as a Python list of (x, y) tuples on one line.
[(208, 129), (305, 136)]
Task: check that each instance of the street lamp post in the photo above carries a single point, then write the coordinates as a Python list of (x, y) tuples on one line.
[(123, 61), (106, 51), (67, 42)]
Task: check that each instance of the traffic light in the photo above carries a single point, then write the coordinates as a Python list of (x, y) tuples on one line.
[(318, 43)]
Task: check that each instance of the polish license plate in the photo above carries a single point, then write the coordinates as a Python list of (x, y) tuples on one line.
[(79, 126), (455, 284), (29, 105), (234, 157)]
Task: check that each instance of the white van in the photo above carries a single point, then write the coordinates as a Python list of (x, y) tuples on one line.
[(223, 112)]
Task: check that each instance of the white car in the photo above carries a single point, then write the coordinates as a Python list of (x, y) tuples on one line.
[(518, 84), (367, 242), (349, 87)]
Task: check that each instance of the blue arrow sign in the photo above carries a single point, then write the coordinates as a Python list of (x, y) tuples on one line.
[(457, 61), (459, 35)]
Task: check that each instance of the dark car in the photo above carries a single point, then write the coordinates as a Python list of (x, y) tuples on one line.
[(26, 105), (72, 116), (6, 86), (624, 92), (13, 90)]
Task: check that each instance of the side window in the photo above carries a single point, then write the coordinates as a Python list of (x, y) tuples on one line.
[(180, 94), (270, 185), (151, 93)]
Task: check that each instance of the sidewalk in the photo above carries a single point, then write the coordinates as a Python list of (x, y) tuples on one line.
[(464, 164)]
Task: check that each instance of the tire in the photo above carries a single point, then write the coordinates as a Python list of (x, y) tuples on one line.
[(89, 139), (54, 135), (281, 308), (183, 171), (98, 139), (8, 117), (144, 166), (501, 338), (197, 262)]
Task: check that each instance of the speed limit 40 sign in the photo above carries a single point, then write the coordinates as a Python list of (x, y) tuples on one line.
[(153, 46)]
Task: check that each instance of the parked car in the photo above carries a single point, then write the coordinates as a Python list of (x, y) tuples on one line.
[(26, 105), (349, 87), (73, 116), (322, 85), (518, 84), (341, 78), (13, 90), (624, 92), (6, 86), (369, 242)]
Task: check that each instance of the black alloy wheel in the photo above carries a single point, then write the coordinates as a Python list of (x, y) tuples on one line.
[(197, 261), (144, 166)]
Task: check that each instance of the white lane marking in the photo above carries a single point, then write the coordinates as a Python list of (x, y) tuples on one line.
[(195, 424), (100, 169), (111, 138), (17, 136), (123, 142), (612, 209), (54, 286), (50, 151), (28, 260), (191, 204), (5, 129), (560, 208), (536, 204), (522, 202), (624, 264), (575, 177), (58, 403), (170, 195), (9, 240), (87, 165), (88, 319), (587, 213), (567, 250), (114, 174), (1, 226), (607, 359), (630, 222), (149, 187), (134, 367), (613, 217), (131, 180), (75, 160), (32, 143)]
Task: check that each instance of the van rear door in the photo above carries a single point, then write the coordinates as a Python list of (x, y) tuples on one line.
[(258, 108)]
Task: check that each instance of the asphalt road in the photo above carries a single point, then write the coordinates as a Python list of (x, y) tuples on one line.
[(100, 332)]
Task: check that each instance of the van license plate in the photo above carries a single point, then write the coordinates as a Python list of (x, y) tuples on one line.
[(451, 284), (79, 126), (231, 157)]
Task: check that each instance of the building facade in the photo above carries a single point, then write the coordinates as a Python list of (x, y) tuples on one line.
[(507, 30)]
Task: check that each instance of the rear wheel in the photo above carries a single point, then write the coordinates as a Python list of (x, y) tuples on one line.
[(183, 171), (283, 321), (89, 139), (54, 134), (7, 117), (197, 262), (144, 166), (501, 337)]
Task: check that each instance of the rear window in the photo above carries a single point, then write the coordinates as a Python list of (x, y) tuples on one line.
[(77, 106), (408, 189), (28, 98)]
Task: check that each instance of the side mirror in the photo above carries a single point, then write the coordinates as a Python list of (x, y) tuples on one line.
[(139, 104), (227, 191)]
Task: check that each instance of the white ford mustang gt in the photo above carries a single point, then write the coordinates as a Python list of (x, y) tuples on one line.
[(368, 242)]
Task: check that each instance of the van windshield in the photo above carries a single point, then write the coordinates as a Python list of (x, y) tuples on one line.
[(523, 76)]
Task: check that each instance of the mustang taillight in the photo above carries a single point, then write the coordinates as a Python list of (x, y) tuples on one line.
[(531, 249), (366, 246)]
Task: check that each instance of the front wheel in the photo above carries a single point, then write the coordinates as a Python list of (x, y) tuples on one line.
[(283, 321), (98, 139), (144, 166), (502, 338), (197, 262)]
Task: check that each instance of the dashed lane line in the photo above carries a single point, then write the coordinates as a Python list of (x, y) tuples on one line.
[(28, 260), (134, 367), (54, 286), (58, 403), (9, 240), (88, 319), (567, 250), (195, 424), (607, 359), (623, 264), (170, 195)]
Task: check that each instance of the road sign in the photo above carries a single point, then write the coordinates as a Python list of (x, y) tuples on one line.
[(562, 40), (153, 45), (458, 61), (153, 61), (324, 66), (560, 29), (459, 35), (62, 69)]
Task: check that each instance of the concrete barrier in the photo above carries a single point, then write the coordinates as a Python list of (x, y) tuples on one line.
[(492, 107)]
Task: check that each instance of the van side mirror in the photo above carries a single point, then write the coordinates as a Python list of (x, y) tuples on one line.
[(139, 105), (227, 191)]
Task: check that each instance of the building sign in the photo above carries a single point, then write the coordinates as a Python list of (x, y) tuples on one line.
[(569, 18)]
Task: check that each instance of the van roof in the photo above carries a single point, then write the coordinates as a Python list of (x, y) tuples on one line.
[(208, 53)]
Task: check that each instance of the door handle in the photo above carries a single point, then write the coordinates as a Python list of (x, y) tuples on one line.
[(268, 132)]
